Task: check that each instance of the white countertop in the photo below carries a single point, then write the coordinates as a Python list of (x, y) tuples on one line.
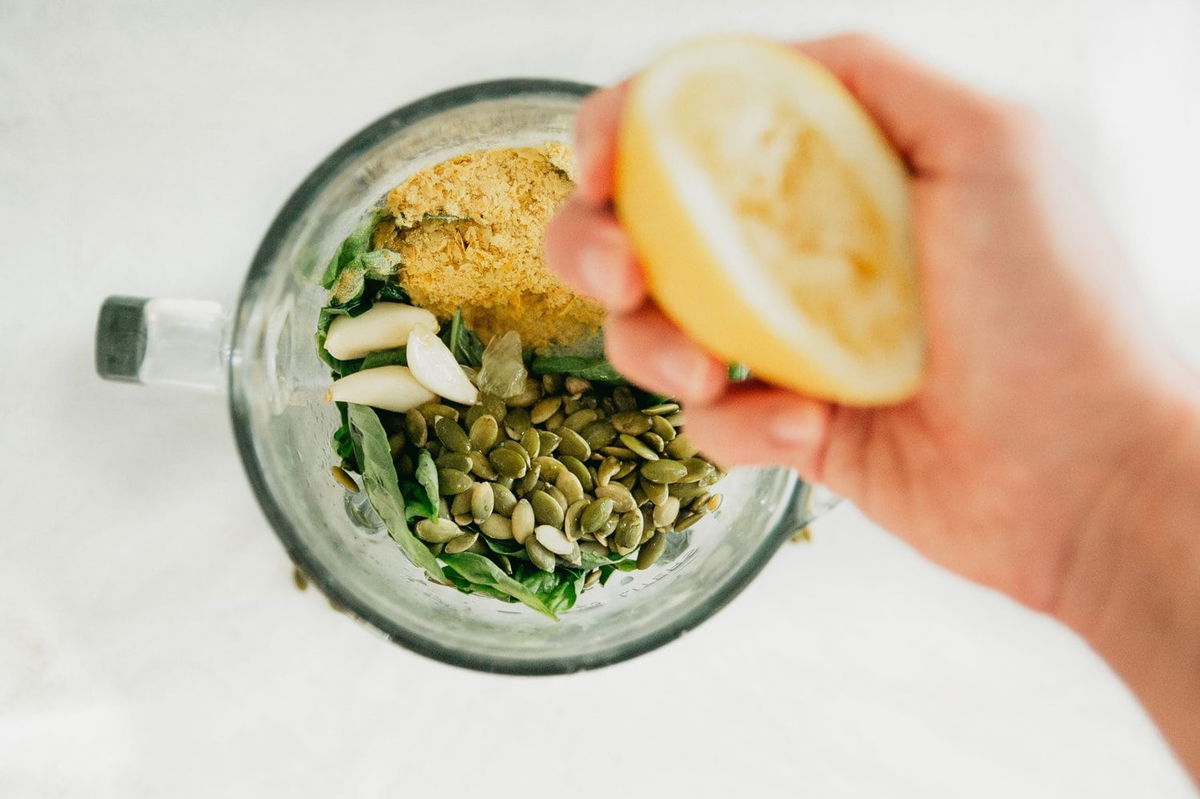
[(151, 640)]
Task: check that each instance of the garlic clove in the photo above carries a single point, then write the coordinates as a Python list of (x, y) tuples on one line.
[(434, 366), (384, 326), (390, 388)]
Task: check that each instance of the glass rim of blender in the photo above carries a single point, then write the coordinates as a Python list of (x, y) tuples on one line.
[(332, 166)]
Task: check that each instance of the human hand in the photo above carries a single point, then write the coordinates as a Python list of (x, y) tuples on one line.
[(1043, 378)]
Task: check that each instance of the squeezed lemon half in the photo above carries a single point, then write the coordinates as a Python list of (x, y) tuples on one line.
[(772, 219)]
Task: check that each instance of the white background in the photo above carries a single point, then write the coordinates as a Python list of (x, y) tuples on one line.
[(151, 640)]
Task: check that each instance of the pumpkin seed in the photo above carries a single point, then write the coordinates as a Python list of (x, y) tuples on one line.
[(623, 453), (483, 501), (432, 411), (544, 409), (513, 446), (598, 434), (619, 494), (638, 447), (667, 512), (485, 432), (652, 550), (522, 521), (545, 509), (461, 504), (416, 427), (344, 479), (505, 564), (626, 468), (516, 423), (495, 407), (655, 441), (569, 485), (555, 421), (662, 409), (630, 481), (687, 521), (676, 420), (552, 383), (713, 503), (461, 543), (557, 495), (549, 442), (539, 555), (664, 471), (453, 481), (551, 468), (577, 468), (437, 531), (472, 415), (572, 404), (497, 527), (436, 549), (454, 460), (575, 556), (681, 448), (596, 514), (662, 428), (396, 442), (655, 492), (632, 423), (576, 385), (451, 434), (443, 508), (503, 499), (571, 518), (607, 530), (639, 493), (573, 444), (507, 463), (405, 466), (553, 539), (623, 398), (528, 396), (592, 578), (607, 468), (594, 547), (531, 442), (686, 491), (481, 467), (697, 470), (581, 419), (530, 480)]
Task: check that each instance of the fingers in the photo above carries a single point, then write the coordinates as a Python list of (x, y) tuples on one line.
[(758, 425), (927, 116), (587, 248), (596, 143), (649, 350)]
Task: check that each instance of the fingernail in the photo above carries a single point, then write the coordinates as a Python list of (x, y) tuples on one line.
[(792, 425)]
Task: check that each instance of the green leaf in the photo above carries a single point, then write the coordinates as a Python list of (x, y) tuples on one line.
[(380, 264), (462, 342), (506, 547), (422, 496), (598, 370), (392, 292), (592, 560), (468, 587), (392, 357), (356, 244), (382, 486), (482, 572), (564, 595), (739, 372)]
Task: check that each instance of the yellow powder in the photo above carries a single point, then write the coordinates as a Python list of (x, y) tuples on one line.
[(469, 231)]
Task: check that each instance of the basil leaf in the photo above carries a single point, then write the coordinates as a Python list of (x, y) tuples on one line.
[(564, 595), (592, 560), (392, 292), (468, 587), (482, 572), (356, 244), (598, 370), (422, 496), (392, 357), (382, 486), (506, 547), (462, 342)]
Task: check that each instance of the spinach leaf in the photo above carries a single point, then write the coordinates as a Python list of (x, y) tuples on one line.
[(356, 244), (482, 572), (421, 497), (392, 292), (595, 369), (563, 596), (462, 342), (619, 566), (392, 357), (468, 587), (382, 486), (506, 547), (591, 560)]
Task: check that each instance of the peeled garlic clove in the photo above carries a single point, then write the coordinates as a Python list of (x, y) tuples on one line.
[(384, 326), (434, 366), (391, 388)]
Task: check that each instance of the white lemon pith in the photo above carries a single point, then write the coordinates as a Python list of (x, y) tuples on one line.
[(772, 219)]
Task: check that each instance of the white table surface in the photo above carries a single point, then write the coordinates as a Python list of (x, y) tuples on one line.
[(151, 640)]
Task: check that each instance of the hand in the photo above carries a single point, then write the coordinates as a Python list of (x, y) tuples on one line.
[(1044, 382)]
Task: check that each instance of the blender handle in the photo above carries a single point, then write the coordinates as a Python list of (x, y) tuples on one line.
[(155, 341)]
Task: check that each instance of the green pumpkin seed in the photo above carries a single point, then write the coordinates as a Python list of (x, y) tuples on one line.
[(638, 447), (621, 453), (551, 468), (397, 441), (596, 514), (662, 409), (664, 471), (655, 441), (344, 479), (483, 501), (571, 518), (687, 491), (437, 531), (503, 499), (569, 485), (516, 423), (443, 508), (555, 421), (545, 509), (676, 420), (557, 495), (657, 493), (681, 448), (598, 434), (507, 482), (405, 466), (697, 469), (581, 419), (472, 415), (494, 406), (639, 493), (630, 481), (552, 383), (576, 467), (505, 564), (576, 385), (507, 463), (623, 398), (592, 578), (604, 533), (607, 469), (451, 434), (687, 521), (416, 427), (481, 467), (485, 432), (436, 549), (626, 469), (531, 442), (620, 495), (544, 409), (460, 504), (629, 531), (461, 543), (454, 460), (553, 539), (549, 442), (530, 480), (453, 481), (713, 503), (573, 404), (573, 444), (575, 556), (652, 550), (530, 394), (632, 423), (662, 428), (539, 555), (523, 521), (497, 527), (667, 512), (432, 411), (593, 547)]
